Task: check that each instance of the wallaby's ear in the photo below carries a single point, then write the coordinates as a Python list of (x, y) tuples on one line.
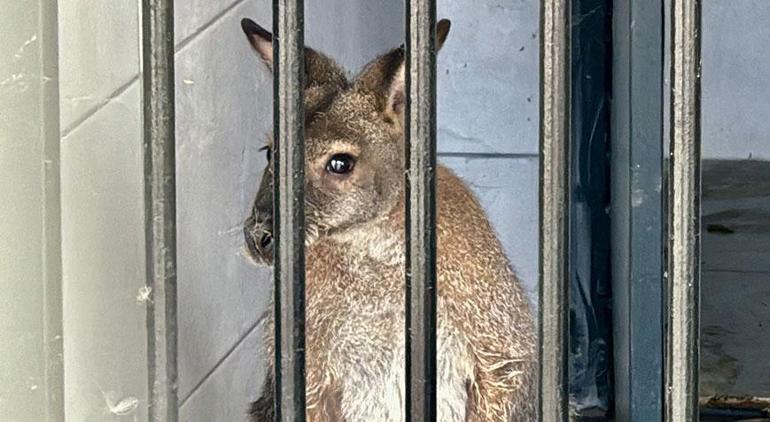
[(396, 97), (260, 39), (323, 78), (442, 30)]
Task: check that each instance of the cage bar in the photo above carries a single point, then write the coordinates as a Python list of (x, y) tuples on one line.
[(637, 212), (420, 135), (289, 214), (160, 205), (684, 218), (554, 209)]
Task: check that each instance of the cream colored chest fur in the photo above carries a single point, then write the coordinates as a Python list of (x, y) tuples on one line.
[(366, 356)]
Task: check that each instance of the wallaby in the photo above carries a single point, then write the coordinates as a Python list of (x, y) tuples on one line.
[(355, 257)]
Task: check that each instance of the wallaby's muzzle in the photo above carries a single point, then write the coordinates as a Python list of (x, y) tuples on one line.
[(259, 239), (258, 228)]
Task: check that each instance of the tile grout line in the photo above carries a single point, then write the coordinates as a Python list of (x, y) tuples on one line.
[(95, 109), (203, 28), (222, 360), (124, 87), (717, 270), (491, 155)]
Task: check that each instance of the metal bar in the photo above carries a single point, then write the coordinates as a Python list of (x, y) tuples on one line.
[(420, 135), (160, 205), (554, 208), (637, 209), (289, 214), (684, 225)]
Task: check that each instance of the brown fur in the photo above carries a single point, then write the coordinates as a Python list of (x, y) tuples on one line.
[(355, 265)]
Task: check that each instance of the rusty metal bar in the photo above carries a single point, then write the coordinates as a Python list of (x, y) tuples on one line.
[(554, 209), (684, 218), (289, 214), (160, 206), (420, 135)]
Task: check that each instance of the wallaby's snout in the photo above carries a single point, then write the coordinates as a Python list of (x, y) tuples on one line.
[(258, 228), (258, 231)]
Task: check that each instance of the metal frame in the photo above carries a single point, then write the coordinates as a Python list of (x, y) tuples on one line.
[(684, 217), (420, 135), (637, 209), (554, 208), (160, 206), (289, 210)]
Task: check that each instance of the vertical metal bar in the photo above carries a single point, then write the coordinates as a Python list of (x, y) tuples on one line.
[(684, 224), (289, 214), (160, 205), (554, 208), (637, 209), (420, 135)]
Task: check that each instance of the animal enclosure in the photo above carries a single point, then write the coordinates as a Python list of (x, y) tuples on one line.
[(619, 150)]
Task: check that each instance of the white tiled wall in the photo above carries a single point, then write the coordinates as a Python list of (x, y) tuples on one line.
[(220, 127), (488, 77), (103, 262), (735, 83), (102, 193), (99, 53)]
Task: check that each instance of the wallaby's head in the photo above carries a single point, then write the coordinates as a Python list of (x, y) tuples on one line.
[(354, 144)]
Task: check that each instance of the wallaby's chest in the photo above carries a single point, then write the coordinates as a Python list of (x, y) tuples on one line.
[(357, 316)]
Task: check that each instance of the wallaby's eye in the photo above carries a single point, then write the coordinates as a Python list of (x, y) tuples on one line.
[(340, 164)]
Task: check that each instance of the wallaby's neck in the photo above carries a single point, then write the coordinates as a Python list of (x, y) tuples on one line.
[(380, 240)]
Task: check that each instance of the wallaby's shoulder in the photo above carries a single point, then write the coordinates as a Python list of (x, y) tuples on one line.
[(461, 218)]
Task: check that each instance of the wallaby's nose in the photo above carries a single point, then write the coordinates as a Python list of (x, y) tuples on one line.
[(265, 240), (258, 234)]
